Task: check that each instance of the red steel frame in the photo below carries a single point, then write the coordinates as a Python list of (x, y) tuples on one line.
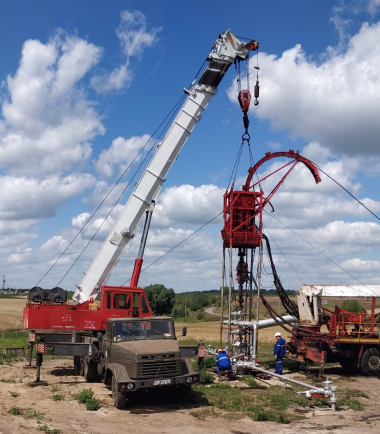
[(242, 207), (344, 330), (239, 212)]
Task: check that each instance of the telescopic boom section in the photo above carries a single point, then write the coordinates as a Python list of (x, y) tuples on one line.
[(226, 49)]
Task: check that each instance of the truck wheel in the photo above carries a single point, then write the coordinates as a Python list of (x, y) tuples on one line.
[(118, 398), (370, 362), (78, 366), (91, 371)]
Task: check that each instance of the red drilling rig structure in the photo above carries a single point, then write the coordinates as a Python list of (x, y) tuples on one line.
[(243, 231)]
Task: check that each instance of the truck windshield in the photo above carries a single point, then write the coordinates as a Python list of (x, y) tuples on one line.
[(137, 330)]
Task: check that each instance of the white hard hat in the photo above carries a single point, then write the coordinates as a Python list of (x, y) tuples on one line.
[(277, 334)]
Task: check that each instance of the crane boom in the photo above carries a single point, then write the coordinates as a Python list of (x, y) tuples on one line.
[(225, 51)]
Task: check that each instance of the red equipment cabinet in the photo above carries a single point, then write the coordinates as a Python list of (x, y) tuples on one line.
[(115, 302)]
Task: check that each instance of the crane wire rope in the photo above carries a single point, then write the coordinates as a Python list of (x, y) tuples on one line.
[(283, 254), (347, 191), (177, 245), (235, 168), (169, 115), (315, 248), (173, 112)]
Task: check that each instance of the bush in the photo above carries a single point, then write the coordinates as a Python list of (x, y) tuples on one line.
[(356, 405), (207, 377), (178, 311), (48, 430), (86, 397), (15, 411), (209, 362), (200, 316)]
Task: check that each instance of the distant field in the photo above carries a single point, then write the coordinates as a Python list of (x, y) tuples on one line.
[(11, 319), (11, 313), (210, 331)]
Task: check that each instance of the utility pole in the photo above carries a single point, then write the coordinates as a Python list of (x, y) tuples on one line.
[(3, 281)]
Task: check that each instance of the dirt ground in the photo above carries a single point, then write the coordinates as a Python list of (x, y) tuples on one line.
[(155, 414)]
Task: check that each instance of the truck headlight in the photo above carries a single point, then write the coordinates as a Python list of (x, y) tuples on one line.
[(130, 386), (189, 379)]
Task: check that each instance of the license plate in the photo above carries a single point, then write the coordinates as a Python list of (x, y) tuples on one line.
[(162, 382)]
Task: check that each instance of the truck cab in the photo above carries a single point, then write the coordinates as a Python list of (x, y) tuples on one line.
[(143, 353)]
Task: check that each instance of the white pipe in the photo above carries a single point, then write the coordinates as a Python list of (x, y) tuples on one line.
[(263, 323), (328, 391)]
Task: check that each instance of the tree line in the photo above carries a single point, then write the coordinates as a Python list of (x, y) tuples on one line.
[(164, 301)]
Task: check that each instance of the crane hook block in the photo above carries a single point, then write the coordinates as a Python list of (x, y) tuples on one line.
[(244, 100), (257, 92)]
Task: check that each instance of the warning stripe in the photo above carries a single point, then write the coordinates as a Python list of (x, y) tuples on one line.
[(40, 348)]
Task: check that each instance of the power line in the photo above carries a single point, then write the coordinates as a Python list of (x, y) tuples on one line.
[(348, 192), (169, 115), (177, 245), (315, 248), (283, 254)]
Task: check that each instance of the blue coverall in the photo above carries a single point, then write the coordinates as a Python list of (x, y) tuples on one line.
[(279, 351), (223, 362)]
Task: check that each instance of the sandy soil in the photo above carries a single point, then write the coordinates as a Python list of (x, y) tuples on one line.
[(153, 415)]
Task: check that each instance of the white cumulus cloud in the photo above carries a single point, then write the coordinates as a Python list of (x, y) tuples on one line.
[(331, 102), (120, 154), (47, 121), (134, 37)]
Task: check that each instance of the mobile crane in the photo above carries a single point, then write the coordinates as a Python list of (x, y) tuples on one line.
[(120, 341)]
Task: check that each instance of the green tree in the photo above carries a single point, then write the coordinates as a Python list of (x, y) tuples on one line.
[(198, 301), (178, 311), (352, 306), (161, 299)]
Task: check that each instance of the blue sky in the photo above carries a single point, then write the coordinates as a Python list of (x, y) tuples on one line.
[(83, 84)]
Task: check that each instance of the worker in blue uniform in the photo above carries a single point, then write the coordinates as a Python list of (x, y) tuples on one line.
[(223, 363), (279, 352)]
